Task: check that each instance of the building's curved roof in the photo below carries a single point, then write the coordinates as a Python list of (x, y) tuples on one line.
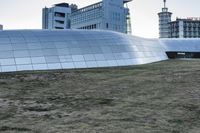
[(67, 49)]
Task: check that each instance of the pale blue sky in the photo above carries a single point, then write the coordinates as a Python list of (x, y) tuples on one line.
[(27, 14)]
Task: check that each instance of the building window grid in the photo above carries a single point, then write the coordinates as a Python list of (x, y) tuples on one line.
[(88, 8), (86, 16), (190, 29)]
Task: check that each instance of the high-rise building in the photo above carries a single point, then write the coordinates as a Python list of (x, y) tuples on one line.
[(57, 17), (185, 28), (1, 27), (164, 19), (107, 15)]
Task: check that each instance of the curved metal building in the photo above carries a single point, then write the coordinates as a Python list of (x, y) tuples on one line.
[(67, 49)]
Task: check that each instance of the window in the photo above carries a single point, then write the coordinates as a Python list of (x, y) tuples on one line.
[(107, 25), (58, 14), (59, 28), (60, 22)]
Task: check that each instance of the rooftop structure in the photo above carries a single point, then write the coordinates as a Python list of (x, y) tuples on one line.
[(62, 5)]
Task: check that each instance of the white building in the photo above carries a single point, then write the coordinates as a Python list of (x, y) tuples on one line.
[(164, 19), (1, 27), (106, 15), (57, 17), (185, 28)]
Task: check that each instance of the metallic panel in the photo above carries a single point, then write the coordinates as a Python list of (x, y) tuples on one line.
[(68, 49)]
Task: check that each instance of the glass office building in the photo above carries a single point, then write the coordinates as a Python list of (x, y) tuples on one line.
[(69, 49), (107, 15)]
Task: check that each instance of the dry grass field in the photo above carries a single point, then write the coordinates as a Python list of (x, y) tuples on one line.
[(162, 97)]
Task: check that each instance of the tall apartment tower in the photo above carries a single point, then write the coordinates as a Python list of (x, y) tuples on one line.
[(164, 20), (1, 27), (57, 17)]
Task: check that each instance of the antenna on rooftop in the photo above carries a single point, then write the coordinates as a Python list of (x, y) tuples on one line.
[(164, 3)]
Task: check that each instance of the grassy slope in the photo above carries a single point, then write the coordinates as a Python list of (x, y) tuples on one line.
[(160, 97)]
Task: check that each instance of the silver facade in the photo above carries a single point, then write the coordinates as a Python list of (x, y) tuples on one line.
[(68, 49)]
